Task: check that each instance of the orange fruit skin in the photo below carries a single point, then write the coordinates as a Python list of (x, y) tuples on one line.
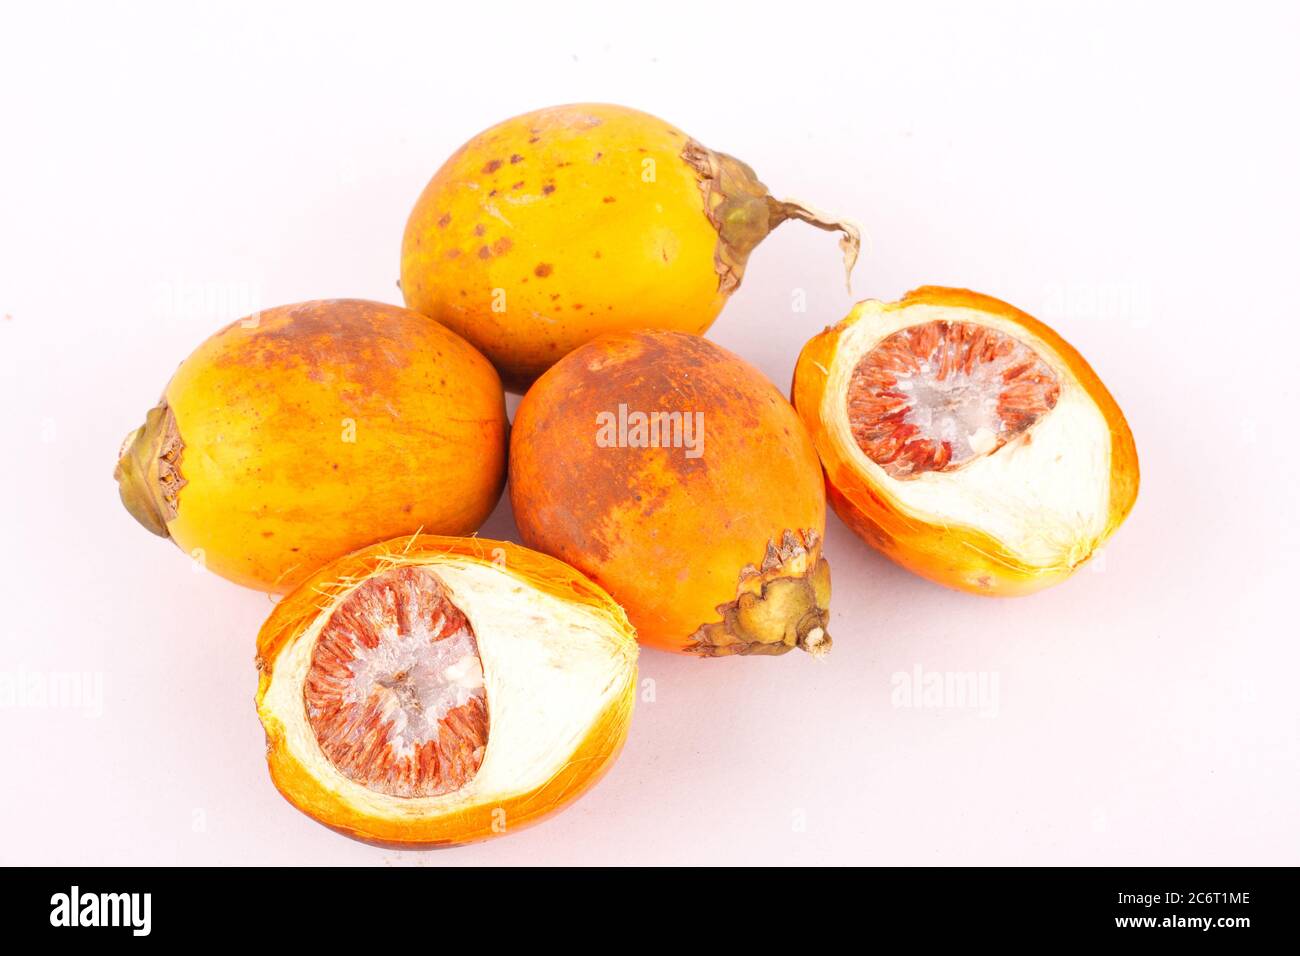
[(666, 535), (556, 226), (594, 756), (275, 488), (959, 557)]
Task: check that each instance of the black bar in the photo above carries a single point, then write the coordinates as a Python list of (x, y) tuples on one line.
[(1168, 905)]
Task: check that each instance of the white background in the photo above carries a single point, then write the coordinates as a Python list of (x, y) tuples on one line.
[(1127, 172)]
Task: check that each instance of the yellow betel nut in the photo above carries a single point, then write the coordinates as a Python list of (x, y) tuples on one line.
[(303, 432), (554, 227)]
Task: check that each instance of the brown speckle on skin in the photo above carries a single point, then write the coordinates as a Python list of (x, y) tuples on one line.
[(502, 246), (492, 193), (594, 483), (515, 158), (444, 221), (548, 189), (518, 185), (598, 155), (480, 229), (542, 270), (609, 199), (534, 139), (596, 254), (484, 252), (453, 253), (492, 166), (359, 341)]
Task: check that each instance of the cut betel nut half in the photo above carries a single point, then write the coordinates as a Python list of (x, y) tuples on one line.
[(966, 440), (435, 691)]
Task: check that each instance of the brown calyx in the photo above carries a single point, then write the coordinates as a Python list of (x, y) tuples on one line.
[(781, 604), (744, 212), (148, 471)]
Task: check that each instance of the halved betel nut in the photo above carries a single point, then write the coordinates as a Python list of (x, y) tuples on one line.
[(966, 440), (432, 691)]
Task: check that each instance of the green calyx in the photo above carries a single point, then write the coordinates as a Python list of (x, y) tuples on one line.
[(148, 470), (744, 212), (783, 605)]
